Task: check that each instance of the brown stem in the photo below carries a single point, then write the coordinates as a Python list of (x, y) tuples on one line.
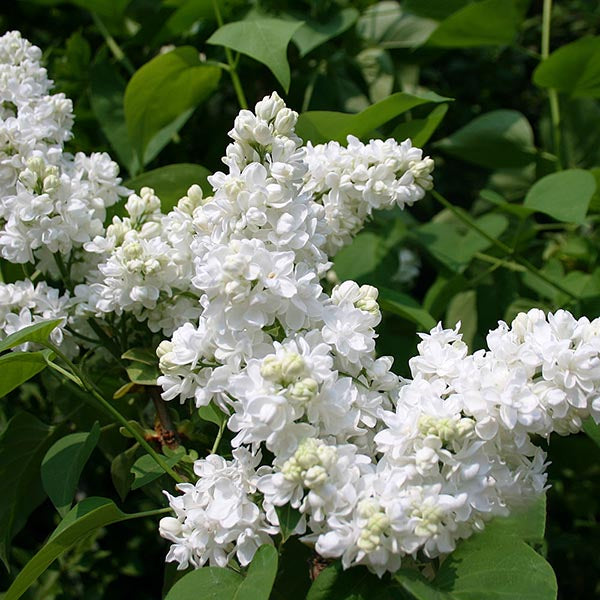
[(167, 434)]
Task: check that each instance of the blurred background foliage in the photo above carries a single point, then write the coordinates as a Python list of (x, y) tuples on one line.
[(490, 126)]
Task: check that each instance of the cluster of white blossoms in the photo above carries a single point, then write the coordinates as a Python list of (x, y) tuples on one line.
[(50, 201), (378, 467)]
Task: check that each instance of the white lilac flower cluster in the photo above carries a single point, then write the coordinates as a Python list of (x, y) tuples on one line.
[(50, 201), (378, 467), (293, 367)]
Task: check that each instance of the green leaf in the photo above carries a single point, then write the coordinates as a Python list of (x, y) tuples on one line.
[(592, 430), (574, 68), (418, 587), (487, 23), (106, 8), (258, 583), (142, 373), (163, 89), (37, 333), (463, 308), (107, 90), (172, 182), (496, 568), (322, 126), (185, 20), (120, 471), (390, 25), (565, 195), (406, 307), (212, 414), (18, 367), (84, 518), (527, 523), (420, 130), (498, 139), (23, 444), (214, 583), (361, 257), (289, 517), (435, 9), (314, 33), (145, 469), (333, 583), (454, 249), (62, 466), (142, 355), (263, 39)]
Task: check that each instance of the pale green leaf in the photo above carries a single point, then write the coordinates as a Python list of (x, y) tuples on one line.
[(486, 23), (163, 89), (23, 444), (498, 139), (314, 33), (323, 126), (574, 68), (263, 39), (565, 195), (172, 182), (62, 466)]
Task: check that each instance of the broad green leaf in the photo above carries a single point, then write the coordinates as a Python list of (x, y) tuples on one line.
[(435, 9), (388, 24), (574, 68), (592, 430), (107, 91), (263, 39), (498, 139), (142, 373), (406, 307), (120, 470), (85, 517), (172, 182), (258, 583), (145, 469), (62, 466), (565, 195), (164, 89), (37, 333), (18, 367), (527, 523), (463, 308), (420, 130), (106, 8), (289, 517), (496, 568), (23, 444), (323, 126), (212, 414), (185, 19), (214, 583), (142, 355), (314, 33), (361, 257), (418, 587), (333, 583), (454, 249), (486, 23)]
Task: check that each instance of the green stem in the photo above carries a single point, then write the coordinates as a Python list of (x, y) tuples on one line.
[(112, 44), (552, 93), (215, 446), (237, 84), (109, 408), (468, 220)]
